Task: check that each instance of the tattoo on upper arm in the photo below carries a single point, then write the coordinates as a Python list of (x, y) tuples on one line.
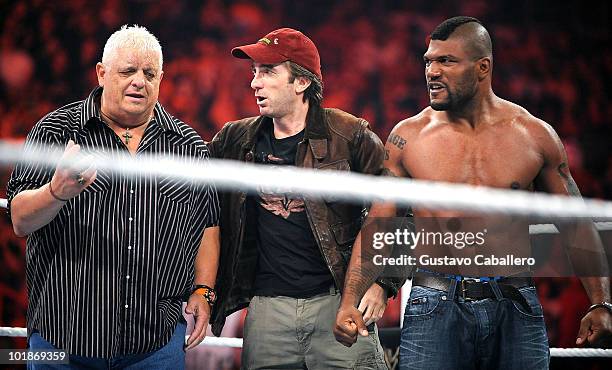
[(397, 140), (563, 170)]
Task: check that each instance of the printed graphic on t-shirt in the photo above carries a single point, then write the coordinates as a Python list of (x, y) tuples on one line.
[(290, 262), (281, 204)]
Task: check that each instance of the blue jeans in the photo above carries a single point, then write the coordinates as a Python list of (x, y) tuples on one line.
[(441, 333), (170, 356)]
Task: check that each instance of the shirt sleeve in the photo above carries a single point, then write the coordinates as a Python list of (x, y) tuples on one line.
[(32, 171), (208, 198)]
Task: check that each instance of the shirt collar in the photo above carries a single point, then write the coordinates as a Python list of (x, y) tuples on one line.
[(91, 109)]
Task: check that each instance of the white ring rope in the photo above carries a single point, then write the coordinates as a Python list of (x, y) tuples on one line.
[(580, 352), (208, 341), (6, 331), (534, 229), (342, 185), (237, 343), (234, 175)]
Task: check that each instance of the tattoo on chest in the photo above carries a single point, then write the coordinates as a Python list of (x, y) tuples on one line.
[(397, 140), (570, 184)]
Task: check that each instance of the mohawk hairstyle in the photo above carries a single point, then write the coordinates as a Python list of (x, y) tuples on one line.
[(477, 40), (446, 28)]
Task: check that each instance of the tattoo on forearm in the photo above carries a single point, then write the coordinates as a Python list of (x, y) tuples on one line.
[(397, 140), (572, 188), (360, 279), (386, 154)]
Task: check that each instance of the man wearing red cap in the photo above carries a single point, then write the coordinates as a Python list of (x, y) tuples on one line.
[(285, 255)]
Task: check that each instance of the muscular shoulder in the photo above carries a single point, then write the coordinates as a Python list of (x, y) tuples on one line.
[(412, 126), (542, 133)]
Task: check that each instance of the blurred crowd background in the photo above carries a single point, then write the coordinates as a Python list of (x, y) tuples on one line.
[(551, 57)]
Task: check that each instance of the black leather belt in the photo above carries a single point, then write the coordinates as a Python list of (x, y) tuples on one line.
[(472, 290)]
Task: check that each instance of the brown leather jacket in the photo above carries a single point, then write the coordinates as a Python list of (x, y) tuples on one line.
[(333, 140)]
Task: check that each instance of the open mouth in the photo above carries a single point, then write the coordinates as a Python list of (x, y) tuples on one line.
[(260, 99), (435, 87)]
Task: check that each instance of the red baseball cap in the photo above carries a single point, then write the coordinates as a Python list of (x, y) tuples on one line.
[(280, 46)]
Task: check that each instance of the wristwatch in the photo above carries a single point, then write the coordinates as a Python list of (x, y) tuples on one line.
[(606, 305), (207, 292)]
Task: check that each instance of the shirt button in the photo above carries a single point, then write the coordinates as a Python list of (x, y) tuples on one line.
[(131, 219), (129, 247), (131, 191), (126, 306), (127, 277)]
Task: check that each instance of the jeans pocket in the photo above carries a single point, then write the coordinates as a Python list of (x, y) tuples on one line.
[(530, 295), (423, 302)]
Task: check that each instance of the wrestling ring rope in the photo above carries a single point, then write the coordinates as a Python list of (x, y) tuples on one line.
[(341, 185), (237, 343), (233, 175)]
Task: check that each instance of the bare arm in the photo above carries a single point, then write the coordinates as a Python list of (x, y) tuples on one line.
[(361, 274), (206, 265), (207, 260), (33, 209), (581, 240)]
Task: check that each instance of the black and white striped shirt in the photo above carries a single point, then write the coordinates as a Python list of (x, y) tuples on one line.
[(107, 275)]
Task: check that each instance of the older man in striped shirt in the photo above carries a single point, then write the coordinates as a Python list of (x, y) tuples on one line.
[(110, 256)]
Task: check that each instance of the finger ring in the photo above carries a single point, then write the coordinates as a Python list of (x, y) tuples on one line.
[(80, 179)]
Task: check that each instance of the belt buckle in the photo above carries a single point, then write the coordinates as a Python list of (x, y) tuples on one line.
[(463, 289)]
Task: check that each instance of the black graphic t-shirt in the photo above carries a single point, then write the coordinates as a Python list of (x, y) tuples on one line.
[(290, 262)]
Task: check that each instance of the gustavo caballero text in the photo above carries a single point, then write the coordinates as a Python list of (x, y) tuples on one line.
[(477, 260)]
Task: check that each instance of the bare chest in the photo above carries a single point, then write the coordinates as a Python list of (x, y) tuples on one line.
[(499, 158)]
